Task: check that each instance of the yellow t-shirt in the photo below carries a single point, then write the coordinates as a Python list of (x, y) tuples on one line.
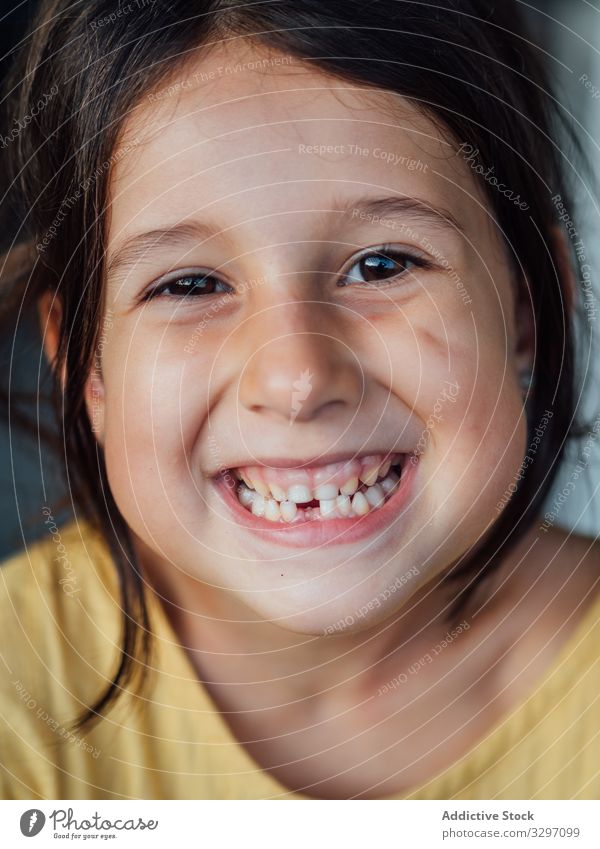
[(60, 630)]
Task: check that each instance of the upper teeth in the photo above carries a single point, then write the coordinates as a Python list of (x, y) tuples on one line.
[(326, 491), (354, 492), (299, 493), (327, 482), (350, 487)]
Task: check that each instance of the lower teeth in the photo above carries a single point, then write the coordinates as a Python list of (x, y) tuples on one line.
[(363, 501)]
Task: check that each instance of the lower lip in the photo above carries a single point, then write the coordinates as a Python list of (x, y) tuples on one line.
[(317, 532)]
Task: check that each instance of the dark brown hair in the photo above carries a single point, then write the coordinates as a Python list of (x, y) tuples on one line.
[(465, 63)]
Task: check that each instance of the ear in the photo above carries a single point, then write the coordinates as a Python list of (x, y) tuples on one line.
[(564, 270), (50, 317), (525, 329)]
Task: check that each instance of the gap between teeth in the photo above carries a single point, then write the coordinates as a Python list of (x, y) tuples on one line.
[(347, 502)]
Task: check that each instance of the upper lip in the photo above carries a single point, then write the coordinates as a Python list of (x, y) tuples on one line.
[(304, 462)]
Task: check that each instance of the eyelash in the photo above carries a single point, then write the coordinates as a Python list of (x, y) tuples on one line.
[(386, 252), (161, 288)]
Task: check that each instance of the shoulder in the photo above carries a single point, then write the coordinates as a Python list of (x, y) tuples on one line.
[(60, 620), (54, 588), (52, 579)]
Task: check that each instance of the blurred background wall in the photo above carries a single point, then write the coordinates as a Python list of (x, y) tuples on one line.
[(568, 31), (567, 34)]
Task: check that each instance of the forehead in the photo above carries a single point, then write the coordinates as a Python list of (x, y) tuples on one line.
[(245, 132)]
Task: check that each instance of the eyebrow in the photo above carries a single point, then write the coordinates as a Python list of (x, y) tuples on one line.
[(140, 246), (399, 206)]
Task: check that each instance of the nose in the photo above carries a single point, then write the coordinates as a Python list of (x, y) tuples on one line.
[(301, 364)]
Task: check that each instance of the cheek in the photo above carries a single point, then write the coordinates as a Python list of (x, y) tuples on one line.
[(476, 430), (155, 406), (477, 458), (454, 366)]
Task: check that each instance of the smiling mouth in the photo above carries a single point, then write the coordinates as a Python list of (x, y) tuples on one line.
[(345, 490)]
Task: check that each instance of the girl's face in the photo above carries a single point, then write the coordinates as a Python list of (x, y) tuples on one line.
[(304, 279)]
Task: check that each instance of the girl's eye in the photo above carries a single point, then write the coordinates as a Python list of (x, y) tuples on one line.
[(381, 266), (188, 286), (373, 267)]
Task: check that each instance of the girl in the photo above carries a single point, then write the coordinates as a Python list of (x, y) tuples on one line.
[(309, 300)]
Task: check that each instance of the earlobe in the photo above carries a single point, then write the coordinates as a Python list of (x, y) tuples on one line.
[(50, 318)]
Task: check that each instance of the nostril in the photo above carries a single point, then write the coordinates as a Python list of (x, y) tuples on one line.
[(300, 375)]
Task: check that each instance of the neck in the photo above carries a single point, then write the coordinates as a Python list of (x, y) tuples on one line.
[(214, 624)]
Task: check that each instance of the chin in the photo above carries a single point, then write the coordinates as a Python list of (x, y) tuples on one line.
[(344, 614)]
